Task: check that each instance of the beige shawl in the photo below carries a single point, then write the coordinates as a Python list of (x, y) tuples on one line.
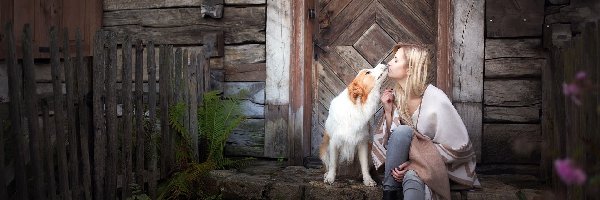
[(438, 119)]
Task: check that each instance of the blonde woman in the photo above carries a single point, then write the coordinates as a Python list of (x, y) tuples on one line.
[(412, 107)]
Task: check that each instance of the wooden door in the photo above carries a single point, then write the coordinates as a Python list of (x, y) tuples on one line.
[(356, 34)]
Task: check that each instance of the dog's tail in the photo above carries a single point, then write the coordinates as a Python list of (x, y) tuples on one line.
[(324, 151)]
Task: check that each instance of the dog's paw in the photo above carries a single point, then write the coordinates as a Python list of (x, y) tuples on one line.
[(325, 175), (369, 182), (329, 178)]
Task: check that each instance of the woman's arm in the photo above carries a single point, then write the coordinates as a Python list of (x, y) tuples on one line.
[(387, 99)]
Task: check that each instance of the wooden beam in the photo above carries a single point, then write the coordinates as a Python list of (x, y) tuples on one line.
[(277, 85), (468, 49), (444, 42)]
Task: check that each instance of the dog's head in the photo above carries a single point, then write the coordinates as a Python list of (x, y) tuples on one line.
[(366, 82)]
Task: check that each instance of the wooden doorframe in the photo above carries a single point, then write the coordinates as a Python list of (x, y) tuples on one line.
[(302, 73)]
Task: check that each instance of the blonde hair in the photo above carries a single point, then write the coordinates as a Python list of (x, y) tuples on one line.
[(419, 64)]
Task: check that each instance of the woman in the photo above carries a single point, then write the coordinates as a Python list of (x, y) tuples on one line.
[(416, 107)]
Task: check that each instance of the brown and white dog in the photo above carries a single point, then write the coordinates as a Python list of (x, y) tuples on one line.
[(346, 127)]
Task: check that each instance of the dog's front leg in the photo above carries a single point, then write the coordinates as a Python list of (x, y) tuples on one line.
[(333, 159), (363, 153)]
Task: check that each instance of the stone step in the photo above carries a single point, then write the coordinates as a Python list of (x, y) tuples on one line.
[(273, 180)]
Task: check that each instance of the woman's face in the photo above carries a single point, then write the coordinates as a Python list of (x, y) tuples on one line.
[(398, 66)]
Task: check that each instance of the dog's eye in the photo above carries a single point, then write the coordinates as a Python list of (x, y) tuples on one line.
[(368, 72)]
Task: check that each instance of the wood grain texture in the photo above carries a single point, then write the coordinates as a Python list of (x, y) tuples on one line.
[(110, 5), (127, 117), (514, 19), (472, 116), (71, 118), (276, 131), (111, 116), (31, 113), (512, 92), (278, 45), (82, 69), (235, 19), (467, 51), (511, 143), (57, 68), (530, 114), (514, 67), (247, 139), (15, 95), (374, 44), (513, 48), (192, 34), (98, 115)]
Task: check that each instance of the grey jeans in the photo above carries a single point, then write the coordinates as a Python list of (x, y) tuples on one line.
[(397, 153)]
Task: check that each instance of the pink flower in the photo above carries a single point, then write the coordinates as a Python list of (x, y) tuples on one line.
[(576, 89), (573, 91), (569, 173)]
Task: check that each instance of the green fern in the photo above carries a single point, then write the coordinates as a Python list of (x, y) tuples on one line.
[(217, 117)]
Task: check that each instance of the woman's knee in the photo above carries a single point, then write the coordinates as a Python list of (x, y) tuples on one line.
[(402, 133), (412, 180)]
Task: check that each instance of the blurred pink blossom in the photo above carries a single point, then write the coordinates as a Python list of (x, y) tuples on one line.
[(569, 173), (576, 89)]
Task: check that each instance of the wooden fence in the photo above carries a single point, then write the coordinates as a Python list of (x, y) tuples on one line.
[(571, 130), (100, 134)]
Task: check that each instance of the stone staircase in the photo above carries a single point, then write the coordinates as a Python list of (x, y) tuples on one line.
[(274, 180)]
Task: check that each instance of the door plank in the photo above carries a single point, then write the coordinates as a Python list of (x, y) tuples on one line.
[(374, 44), (350, 13), (358, 27)]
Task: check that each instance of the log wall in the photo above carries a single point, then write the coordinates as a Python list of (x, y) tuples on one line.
[(513, 61), (242, 62)]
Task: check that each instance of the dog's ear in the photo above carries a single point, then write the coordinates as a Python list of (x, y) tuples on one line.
[(355, 91)]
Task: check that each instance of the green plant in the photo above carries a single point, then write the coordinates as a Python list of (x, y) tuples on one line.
[(217, 117)]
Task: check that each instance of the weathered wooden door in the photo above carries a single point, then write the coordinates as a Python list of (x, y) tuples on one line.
[(356, 34)]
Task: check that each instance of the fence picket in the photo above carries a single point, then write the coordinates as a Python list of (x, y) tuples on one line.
[(111, 116), (48, 150), (59, 116), (126, 161), (15, 96), (71, 118), (164, 107), (152, 118), (82, 72), (98, 115), (139, 114), (31, 110)]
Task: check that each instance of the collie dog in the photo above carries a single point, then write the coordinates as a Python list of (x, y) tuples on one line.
[(346, 127)]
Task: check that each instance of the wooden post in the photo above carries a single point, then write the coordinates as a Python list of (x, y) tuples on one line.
[(48, 151), (152, 110), (193, 91), (14, 85), (139, 111), (31, 111), (81, 69), (71, 119), (59, 116), (111, 116), (185, 99), (178, 95), (164, 110), (127, 117), (98, 115), (3, 192)]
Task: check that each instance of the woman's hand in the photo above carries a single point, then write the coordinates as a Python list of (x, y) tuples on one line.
[(399, 172), (387, 99)]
